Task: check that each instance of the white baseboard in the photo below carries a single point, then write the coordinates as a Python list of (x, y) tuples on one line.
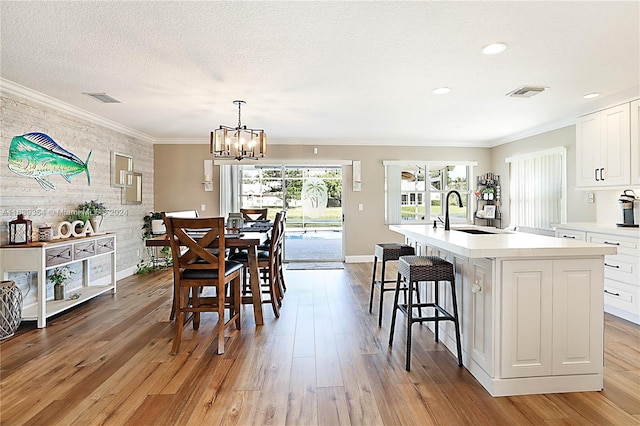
[(358, 259), (125, 273)]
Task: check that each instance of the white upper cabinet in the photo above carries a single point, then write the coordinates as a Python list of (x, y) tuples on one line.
[(635, 142), (603, 148)]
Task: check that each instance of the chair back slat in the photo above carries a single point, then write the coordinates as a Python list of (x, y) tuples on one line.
[(195, 255), (254, 214)]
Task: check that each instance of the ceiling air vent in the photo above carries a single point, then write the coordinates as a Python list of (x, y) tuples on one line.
[(526, 92), (103, 97)]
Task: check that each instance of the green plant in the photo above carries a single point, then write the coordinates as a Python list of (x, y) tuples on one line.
[(93, 208), (78, 215), (154, 262), (146, 225), (61, 275)]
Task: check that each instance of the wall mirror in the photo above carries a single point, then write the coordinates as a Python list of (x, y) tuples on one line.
[(132, 193), (121, 168)]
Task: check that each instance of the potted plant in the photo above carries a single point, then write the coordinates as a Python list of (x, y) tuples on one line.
[(487, 193), (59, 278), (92, 211), (156, 260), (78, 215)]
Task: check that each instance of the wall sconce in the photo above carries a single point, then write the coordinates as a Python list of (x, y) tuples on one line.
[(208, 175), (357, 176)]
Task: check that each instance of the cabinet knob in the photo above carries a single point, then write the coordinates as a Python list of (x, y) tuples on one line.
[(476, 288)]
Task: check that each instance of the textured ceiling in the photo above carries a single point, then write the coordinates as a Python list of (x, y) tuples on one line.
[(348, 72)]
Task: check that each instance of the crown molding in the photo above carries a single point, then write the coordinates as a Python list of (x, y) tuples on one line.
[(45, 100)]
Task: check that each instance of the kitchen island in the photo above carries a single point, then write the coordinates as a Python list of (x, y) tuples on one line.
[(531, 306)]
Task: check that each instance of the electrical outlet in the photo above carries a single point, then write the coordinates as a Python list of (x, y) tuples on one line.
[(138, 252), (361, 207), (591, 197), (203, 207)]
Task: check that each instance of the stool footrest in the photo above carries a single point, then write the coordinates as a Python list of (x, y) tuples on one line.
[(379, 284), (446, 316)]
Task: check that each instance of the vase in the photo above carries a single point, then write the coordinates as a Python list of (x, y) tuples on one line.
[(96, 221), (58, 291), (10, 308)]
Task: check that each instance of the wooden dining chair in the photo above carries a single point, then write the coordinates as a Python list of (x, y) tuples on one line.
[(254, 214), (196, 267), (268, 267)]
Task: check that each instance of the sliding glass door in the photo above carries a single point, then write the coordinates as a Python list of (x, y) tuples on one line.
[(312, 196)]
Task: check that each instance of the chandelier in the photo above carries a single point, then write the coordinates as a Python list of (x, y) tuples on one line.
[(238, 142)]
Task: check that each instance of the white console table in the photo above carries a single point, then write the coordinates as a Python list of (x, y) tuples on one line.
[(43, 256)]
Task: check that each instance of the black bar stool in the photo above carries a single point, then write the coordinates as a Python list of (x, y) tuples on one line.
[(386, 252), (424, 268)]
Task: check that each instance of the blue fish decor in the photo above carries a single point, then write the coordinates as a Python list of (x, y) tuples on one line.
[(36, 155)]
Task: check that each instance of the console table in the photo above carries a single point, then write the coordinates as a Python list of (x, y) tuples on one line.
[(43, 256)]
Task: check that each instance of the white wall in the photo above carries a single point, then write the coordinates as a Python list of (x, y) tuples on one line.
[(578, 207)]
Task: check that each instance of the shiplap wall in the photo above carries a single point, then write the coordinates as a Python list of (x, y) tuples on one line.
[(21, 194)]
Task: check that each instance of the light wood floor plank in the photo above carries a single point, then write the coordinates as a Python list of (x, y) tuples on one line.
[(325, 361)]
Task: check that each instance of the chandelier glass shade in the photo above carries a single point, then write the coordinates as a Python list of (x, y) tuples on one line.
[(238, 142)]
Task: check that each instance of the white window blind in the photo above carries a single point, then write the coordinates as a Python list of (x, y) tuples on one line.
[(537, 189), (229, 198), (393, 201)]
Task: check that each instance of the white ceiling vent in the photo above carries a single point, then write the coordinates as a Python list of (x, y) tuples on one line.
[(526, 91), (103, 97)]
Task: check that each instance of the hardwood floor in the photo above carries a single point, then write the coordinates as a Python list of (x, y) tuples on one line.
[(323, 362)]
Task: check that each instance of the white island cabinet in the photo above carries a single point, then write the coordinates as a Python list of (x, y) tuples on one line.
[(531, 307)]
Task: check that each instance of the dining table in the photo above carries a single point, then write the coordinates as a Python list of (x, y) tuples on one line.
[(248, 240)]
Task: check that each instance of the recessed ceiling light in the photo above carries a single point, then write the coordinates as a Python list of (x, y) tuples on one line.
[(591, 95), (493, 48), (441, 90)]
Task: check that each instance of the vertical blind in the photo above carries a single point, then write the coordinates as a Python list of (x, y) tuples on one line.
[(537, 189), (229, 197)]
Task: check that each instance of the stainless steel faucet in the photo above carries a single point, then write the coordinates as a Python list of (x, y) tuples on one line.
[(446, 208)]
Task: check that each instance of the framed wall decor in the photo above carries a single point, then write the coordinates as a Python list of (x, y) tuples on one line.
[(489, 212), (132, 194), (121, 168)]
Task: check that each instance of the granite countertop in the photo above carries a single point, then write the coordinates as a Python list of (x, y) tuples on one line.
[(500, 243)]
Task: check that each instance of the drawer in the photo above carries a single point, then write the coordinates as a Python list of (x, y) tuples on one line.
[(105, 245), (625, 245), (84, 249), (59, 254), (623, 268), (571, 234), (621, 296)]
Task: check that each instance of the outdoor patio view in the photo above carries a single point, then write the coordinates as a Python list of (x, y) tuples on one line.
[(312, 196)]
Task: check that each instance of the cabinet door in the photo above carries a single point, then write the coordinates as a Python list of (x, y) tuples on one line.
[(615, 146), (479, 338), (526, 318), (635, 142), (587, 150), (577, 316)]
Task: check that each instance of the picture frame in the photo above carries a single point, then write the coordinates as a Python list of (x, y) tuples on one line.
[(121, 169), (490, 212)]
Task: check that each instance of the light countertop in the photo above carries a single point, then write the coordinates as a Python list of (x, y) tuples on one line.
[(600, 227), (502, 244)]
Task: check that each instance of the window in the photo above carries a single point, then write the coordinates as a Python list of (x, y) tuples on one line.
[(411, 187), (537, 189)]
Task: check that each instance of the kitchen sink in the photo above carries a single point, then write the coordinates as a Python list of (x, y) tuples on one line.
[(475, 231)]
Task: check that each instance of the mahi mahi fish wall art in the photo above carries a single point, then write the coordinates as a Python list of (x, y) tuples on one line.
[(36, 155)]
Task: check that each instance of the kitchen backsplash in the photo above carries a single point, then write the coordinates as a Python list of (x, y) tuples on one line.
[(607, 210)]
